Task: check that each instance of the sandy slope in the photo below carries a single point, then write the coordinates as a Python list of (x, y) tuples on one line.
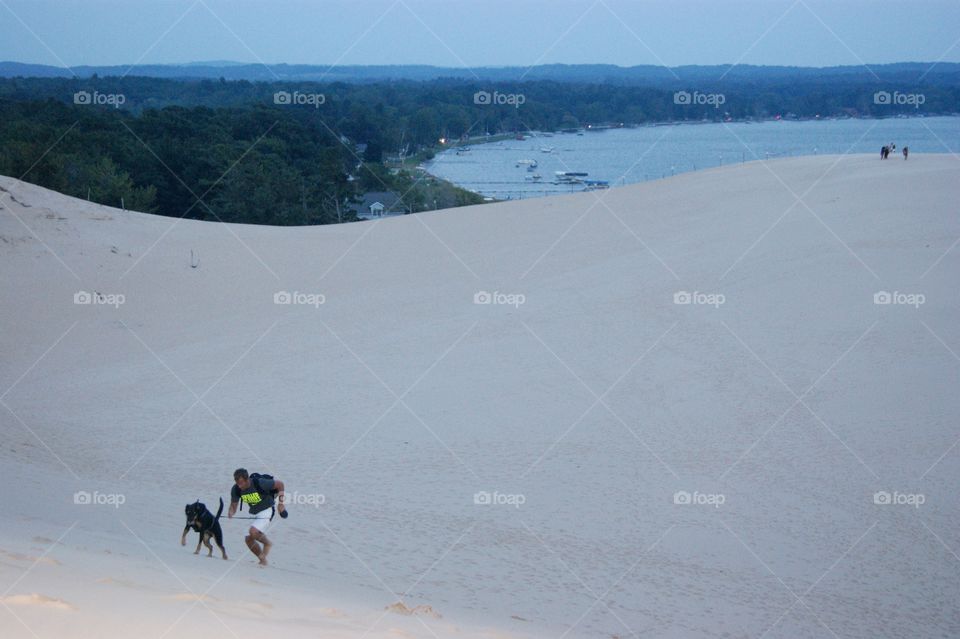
[(594, 402)]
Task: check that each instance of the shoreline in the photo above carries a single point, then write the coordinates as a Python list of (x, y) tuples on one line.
[(694, 161)]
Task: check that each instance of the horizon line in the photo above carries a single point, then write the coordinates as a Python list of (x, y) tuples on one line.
[(220, 63)]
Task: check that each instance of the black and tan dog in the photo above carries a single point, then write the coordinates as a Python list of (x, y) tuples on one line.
[(204, 522)]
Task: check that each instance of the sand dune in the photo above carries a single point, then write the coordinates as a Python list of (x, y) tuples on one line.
[(672, 409)]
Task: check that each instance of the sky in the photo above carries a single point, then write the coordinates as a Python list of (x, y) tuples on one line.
[(458, 33)]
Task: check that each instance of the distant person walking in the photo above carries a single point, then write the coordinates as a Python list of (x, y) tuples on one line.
[(906, 152), (884, 152), (260, 493)]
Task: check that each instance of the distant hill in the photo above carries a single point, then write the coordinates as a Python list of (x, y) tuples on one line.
[(645, 75)]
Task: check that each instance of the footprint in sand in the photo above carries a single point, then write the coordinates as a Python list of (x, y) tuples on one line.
[(37, 600), (333, 613), (50, 561), (401, 609)]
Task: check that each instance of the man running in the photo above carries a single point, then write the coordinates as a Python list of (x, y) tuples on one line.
[(257, 493)]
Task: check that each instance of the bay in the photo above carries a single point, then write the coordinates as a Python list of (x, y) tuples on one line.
[(629, 155)]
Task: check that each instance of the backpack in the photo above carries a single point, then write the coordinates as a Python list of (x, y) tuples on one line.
[(254, 481)]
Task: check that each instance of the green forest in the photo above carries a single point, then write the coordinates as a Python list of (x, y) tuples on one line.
[(255, 165)]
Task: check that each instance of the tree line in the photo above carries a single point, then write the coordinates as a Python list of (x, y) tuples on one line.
[(300, 153)]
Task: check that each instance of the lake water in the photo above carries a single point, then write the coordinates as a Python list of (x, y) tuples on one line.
[(626, 156)]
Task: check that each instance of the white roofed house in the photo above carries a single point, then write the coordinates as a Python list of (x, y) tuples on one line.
[(380, 204)]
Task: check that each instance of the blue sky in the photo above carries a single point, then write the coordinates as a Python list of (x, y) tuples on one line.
[(475, 33)]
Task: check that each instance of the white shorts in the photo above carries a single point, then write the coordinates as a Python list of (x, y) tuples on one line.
[(262, 520)]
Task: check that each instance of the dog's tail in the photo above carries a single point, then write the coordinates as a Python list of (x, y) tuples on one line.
[(220, 510)]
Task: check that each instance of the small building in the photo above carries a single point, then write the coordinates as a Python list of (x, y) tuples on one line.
[(380, 204)]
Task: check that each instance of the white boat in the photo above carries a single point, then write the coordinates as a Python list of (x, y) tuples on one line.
[(595, 185), (547, 149), (527, 163), (569, 177)]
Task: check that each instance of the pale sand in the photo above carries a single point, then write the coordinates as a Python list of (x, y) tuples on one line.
[(392, 404)]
